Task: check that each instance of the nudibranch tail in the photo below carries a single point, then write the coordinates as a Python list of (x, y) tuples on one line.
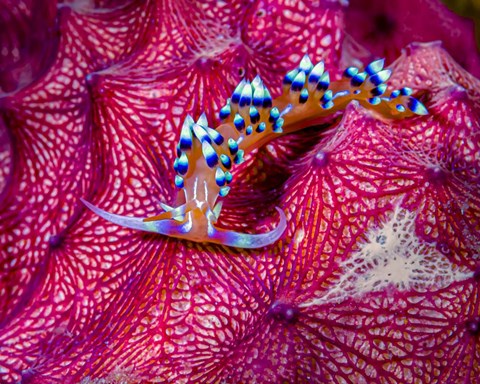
[(370, 89), (312, 95), (251, 118)]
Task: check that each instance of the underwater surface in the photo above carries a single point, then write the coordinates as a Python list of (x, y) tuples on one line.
[(314, 208)]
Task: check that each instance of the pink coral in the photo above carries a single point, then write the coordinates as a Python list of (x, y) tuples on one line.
[(377, 276), (386, 27)]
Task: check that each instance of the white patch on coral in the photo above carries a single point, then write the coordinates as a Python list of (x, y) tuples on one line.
[(214, 46), (392, 257)]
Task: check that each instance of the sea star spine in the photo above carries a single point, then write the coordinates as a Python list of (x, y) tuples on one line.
[(205, 156)]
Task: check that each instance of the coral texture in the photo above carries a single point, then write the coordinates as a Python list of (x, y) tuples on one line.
[(377, 277), (385, 27)]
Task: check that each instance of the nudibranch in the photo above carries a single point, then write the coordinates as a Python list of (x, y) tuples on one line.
[(250, 119)]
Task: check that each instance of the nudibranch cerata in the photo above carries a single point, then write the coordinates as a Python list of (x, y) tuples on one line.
[(250, 119)]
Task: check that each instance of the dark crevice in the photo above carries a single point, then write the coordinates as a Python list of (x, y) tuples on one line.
[(384, 24)]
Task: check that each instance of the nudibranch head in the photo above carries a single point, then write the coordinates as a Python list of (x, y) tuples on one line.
[(196, 226), (250, 118)]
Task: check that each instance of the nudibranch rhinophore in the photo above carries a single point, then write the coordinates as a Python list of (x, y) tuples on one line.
[(250, 119)]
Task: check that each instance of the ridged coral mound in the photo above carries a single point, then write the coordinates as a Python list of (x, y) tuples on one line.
[(377, 276)]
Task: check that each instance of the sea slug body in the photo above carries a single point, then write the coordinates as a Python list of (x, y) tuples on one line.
[(250, 119)]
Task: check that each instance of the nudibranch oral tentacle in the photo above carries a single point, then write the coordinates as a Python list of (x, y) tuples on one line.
[(244, 240), (184, 230), (250, 119), (165, 227)]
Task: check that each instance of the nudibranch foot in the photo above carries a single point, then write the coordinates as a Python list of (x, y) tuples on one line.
[(188, 230)]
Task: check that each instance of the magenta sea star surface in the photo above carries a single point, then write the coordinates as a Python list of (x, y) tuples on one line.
[(376, 279)]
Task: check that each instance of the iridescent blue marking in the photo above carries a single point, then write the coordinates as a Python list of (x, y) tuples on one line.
[(249, 130), (225, 111), (303, 96), (179, 150), (340, 94), (317, 71), (225, 160), (239, 122), (375, 66), (277, 125), (246, 95), (380, 77), (215, 136), (238, 159), (357, 91), (220, 177), (224, 191), (290, 76), (228, 177), (210, 155), (380, 90), (400, 108), (395, 94), (267, 98), (261, 127), (324, 82), (405, 91), (327, 105), (232, 146), (258, 96), (238, 91), (287, 109), (185, 141), (201, 133), (358, 79), (417, 107), (182, 166), (350, 72), (254, 115), (305, 64), (327, 96), (298, 82), (179, 181), (374, 100), (274, 114)]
